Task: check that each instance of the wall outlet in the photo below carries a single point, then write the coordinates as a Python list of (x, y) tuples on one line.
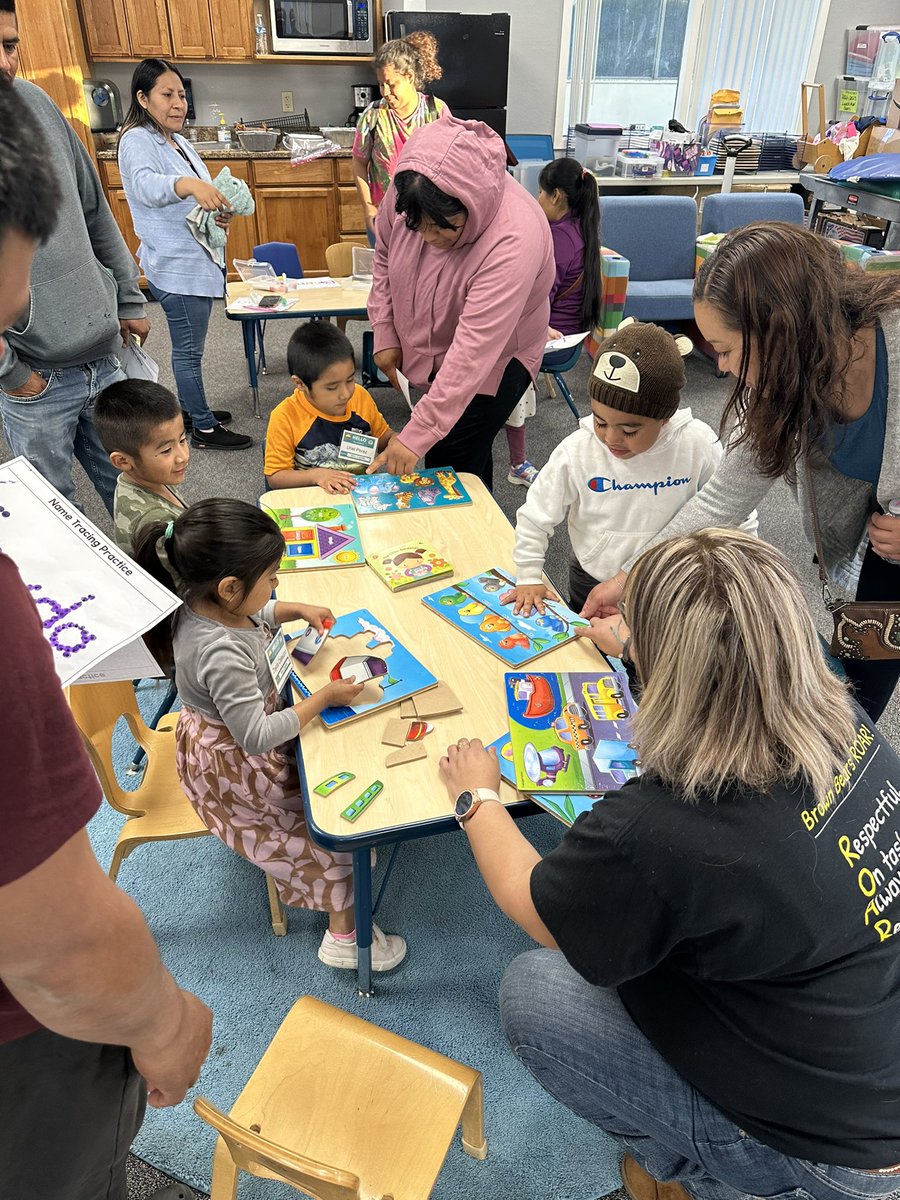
[(287, 101)]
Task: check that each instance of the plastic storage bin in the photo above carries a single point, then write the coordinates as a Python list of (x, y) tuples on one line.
[(596, 146), (527, 172), (638, 164)]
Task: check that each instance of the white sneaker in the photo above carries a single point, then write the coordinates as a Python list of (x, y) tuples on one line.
[(388, 951), (523, 475)]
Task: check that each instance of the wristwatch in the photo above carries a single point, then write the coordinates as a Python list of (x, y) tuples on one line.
[(468, 803)]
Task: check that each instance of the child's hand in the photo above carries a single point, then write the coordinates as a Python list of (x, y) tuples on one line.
[(336, 483), (339, 692), (528, 596), (609, 634), (320, 618)]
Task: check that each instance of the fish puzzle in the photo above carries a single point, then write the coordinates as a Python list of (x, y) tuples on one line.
[(474, 607), (565, 807), (387, 668), (438, 487), (325, 536), (571, 731)]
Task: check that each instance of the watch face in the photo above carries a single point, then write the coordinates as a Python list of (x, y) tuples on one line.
[(463, 803)]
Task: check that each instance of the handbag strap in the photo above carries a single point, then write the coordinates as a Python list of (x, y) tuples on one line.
[(827, 594)]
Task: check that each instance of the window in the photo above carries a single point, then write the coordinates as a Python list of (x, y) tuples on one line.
[(641, 39)]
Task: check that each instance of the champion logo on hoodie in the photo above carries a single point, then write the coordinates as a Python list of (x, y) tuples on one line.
[(601, 483)]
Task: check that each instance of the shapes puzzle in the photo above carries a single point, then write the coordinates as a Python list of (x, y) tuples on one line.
[(327, 536), (474, 607)]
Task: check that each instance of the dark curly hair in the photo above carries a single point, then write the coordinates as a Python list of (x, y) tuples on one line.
[(414, 55)]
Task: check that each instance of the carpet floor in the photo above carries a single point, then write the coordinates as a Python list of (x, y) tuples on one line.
[(207, 909)]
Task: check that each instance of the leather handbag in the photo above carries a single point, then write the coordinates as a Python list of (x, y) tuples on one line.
[(863, 629)]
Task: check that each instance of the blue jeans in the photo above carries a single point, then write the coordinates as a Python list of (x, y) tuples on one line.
[(49, 428), (583, 1048), (188, 318)]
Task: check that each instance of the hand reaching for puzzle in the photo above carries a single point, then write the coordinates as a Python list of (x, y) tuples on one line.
[(339, 693), (468, 765), (336, 483), (528, 596)]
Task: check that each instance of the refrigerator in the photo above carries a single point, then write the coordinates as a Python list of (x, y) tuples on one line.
[(473, 50)]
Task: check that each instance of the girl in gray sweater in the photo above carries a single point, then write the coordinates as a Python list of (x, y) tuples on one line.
[(235, 734)]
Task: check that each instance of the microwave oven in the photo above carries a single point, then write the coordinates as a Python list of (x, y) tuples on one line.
[(322, 26)]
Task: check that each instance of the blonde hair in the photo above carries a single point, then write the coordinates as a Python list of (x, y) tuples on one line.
[(736, 688), (414, 56)]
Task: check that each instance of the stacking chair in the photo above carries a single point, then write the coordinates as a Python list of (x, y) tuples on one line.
[(557, 372), (343, 1110), (285, 260), (157, 810)]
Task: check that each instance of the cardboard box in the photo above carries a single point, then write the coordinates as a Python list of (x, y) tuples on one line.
[(884, 141), (893, 113)]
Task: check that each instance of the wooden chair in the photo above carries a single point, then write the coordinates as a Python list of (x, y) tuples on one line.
[(343, 1110), (339, 262), (157, 810)]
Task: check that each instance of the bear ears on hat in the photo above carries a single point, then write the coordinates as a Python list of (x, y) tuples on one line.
[(684, 344)]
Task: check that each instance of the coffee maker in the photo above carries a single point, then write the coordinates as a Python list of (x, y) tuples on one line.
[(363, 95)]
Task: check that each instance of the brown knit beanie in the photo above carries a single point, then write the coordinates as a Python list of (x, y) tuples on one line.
[(639, 370)]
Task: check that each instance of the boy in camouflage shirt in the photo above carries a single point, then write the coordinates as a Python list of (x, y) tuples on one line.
[(141, 426)]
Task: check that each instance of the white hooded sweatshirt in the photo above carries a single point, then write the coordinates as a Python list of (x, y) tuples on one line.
[(615, 505)]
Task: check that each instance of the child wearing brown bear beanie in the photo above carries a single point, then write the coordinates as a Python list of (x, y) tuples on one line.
[(624, 473)]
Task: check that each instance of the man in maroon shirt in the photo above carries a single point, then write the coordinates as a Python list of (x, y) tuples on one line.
[(92, 1026)]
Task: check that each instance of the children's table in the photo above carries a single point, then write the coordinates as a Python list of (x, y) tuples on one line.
[(414, 802), (348, 299)]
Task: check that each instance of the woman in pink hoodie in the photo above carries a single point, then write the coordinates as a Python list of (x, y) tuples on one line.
[(459, 303)]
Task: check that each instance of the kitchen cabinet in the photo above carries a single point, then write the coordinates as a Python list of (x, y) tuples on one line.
[(234, 36), (302, 215), (52, 56), (126, 28), (351, 216), (191, 28)]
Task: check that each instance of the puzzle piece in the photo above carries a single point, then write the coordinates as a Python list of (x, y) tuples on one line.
[(438, 701), (395, 733), (409, 753), (408, 710)]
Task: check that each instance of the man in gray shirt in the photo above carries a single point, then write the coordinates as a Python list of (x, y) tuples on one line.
[(84, 301)]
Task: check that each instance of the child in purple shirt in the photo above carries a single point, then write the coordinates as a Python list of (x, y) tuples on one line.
[(567, 193)]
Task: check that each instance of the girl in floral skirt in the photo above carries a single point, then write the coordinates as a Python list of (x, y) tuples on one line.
[(234, 757)]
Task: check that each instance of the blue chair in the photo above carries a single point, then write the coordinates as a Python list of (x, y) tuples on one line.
[(657, 234), (285, 260), (723, 213), (556, 372)]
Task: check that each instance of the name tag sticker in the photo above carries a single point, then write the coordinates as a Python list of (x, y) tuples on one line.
[(279, 661), (358, 447)]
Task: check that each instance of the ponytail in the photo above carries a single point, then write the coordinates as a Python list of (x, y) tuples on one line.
[(208, 542), (580, 190), (414, 56)]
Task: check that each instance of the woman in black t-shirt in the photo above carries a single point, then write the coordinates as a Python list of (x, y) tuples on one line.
[(726, 1003)]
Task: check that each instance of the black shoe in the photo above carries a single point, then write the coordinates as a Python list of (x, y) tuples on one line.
[(222, 417), (220, 439)]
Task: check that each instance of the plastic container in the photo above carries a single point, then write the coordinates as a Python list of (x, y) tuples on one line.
[(262, 35), (638, 164), (258, 141), (527, 171), (596, 146), (706, 165), (341, 135)]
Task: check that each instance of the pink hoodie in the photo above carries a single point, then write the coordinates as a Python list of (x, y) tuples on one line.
[(460, 315)]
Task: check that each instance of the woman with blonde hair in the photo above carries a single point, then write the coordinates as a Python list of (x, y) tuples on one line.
[(718, 990), (813, 345), (402, 67)]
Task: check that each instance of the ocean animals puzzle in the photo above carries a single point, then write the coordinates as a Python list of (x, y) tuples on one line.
[(571, 731), (565, 806), (474, 607), (323, 536), (438, 487), (413, 563), (388, 670)]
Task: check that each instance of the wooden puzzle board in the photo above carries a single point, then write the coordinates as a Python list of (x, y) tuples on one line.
[(472, 537)]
